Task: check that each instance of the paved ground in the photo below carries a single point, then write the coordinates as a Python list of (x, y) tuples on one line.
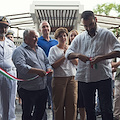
[(49, 113)]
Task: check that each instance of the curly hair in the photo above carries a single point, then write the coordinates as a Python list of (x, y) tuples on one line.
[(59, 31)]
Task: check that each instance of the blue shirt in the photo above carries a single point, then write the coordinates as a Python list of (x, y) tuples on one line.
[(46, 45), (24, 59)]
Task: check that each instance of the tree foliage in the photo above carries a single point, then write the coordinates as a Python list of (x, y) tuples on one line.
[(117, 9), (116, 31), (106, 8)]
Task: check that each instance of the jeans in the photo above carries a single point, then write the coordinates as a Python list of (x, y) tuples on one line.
[(97, 107), (33, 103), (104, 88)]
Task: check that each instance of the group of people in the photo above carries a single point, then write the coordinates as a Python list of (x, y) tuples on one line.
[(68, 71)]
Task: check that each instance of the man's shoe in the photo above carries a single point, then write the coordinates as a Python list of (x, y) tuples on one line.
[(98, 114), (49, 107)]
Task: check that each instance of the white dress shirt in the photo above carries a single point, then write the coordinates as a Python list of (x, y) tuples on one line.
[(102, 43)]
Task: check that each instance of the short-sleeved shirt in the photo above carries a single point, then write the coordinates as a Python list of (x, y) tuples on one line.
[(66, 69), (102, 43), (46, 45)]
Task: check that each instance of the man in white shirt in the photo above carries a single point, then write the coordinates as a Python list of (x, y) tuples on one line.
[(8, 87), (93, 48)]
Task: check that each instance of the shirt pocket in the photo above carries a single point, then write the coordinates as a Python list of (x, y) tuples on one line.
[(8, 52), (30, 61), (98, 48)]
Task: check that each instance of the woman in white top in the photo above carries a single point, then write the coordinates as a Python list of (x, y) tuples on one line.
[(64, 87)]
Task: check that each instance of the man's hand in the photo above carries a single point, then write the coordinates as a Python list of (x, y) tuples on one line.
[(41, 73), (95, 60), (49, 72), (114, 70), (114, 64), (83, 58)]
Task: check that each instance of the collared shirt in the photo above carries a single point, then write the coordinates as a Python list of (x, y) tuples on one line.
[(46, 45), (6, 50), (101, 44), (24, 59)]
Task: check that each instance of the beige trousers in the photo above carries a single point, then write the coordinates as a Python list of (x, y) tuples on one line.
[(64, 96)]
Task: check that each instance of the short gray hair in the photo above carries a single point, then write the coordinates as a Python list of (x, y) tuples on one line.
[(26, 33), (40, 26)]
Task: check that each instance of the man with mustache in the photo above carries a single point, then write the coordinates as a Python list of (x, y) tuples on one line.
[(94, 47)]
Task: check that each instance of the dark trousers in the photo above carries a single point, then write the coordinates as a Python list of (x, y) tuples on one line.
[(104, 88), (49, 80), (33, 103)]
